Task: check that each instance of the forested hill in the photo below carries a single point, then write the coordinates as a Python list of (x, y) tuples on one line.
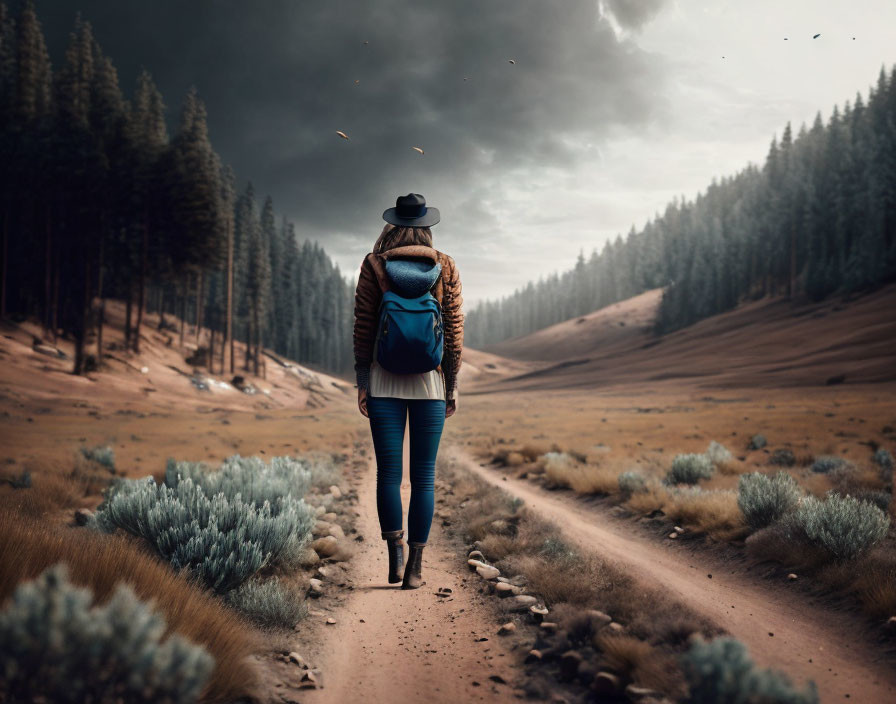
[(99, 201), (818, 218)]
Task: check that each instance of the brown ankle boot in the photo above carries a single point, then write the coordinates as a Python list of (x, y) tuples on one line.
[(396, 553), (412, 578)]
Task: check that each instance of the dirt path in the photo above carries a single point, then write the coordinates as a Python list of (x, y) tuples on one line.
[(808, 641), (407, 646)]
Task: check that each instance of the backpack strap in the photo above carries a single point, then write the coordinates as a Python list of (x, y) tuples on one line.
[(379, 270)]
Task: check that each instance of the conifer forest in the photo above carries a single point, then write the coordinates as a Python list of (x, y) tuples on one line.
[(817, 219), (100, 202)]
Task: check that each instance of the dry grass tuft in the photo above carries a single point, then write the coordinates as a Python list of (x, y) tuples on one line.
[(732, 467), (712, 512), (514, 459), (653, 499), (639, 662), (28, 547), (577, 580), (585, 479)]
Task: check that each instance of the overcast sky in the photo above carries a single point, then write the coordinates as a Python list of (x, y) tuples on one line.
[(609, 110)]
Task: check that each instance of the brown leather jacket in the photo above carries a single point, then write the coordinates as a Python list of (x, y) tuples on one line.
[(373, 282)]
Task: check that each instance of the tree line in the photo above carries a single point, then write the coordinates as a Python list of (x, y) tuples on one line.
[(818, 218), (99, 201)]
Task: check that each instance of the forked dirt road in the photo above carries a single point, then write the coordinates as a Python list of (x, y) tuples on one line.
[(409, 646), (809, 641)]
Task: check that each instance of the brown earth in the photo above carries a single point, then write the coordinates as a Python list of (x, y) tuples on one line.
[(769, 343), (404, 646), (634, 402), (781, 630)]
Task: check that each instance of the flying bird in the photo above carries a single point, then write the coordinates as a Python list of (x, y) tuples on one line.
[(512, 61), (417, 149), (365, 41), (342, 134), (465, 78), (817, 36), (357, 82)]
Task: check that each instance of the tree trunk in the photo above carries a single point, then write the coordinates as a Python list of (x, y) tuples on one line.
[(81, 334), (101, 316), (99, 288), (228, 334), (183, 308), (127, 318), (257, 341), (248, 345), (211, 350), (199, 305), (48, 274), (56, 276), (144, 255), (5, 265), (791, 289)]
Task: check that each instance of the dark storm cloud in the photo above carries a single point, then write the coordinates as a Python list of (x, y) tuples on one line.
[(279, 77)]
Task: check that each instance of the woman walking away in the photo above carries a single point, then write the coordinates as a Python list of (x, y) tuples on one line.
[(408, 337)]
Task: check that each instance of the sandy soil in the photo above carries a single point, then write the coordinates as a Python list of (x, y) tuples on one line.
[(404, 646), (780, 627)]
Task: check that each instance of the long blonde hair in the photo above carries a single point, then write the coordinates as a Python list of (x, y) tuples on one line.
[(396, 236)]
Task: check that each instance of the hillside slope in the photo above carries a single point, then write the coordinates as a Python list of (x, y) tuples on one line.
[(766, 343), (160, 376)]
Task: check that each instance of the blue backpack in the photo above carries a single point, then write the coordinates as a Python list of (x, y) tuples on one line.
[(410, 336)]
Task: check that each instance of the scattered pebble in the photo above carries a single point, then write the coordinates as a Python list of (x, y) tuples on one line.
[(507, 628), (298, 660), (487, 571), (331, 620), (606, 684), (791, 576)]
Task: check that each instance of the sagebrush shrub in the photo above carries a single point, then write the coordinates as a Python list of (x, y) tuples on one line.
[(269, 603), (689, 469), (631, 483), (558, 460), (55, 646), (100, 454), (883, 459), (250, 477), (721, 671), (757, 442), (718, 453), (843, 525), (764, 500), (221, 537), (824, 464)]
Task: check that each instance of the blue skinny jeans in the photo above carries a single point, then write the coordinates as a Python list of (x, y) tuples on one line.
[(426, 419)]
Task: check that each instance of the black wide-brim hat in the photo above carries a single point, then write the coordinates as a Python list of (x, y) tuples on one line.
[(411, 211)]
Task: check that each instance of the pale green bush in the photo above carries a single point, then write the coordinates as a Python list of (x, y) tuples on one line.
[(721, 672), (55, 646), (558, 461), (269, 603), (631, 483), (222, 540), (250, 477), (100, 454), (764, 500), (843, 525), (757, 442), (718, 453), (824, 464), (689, 469)]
